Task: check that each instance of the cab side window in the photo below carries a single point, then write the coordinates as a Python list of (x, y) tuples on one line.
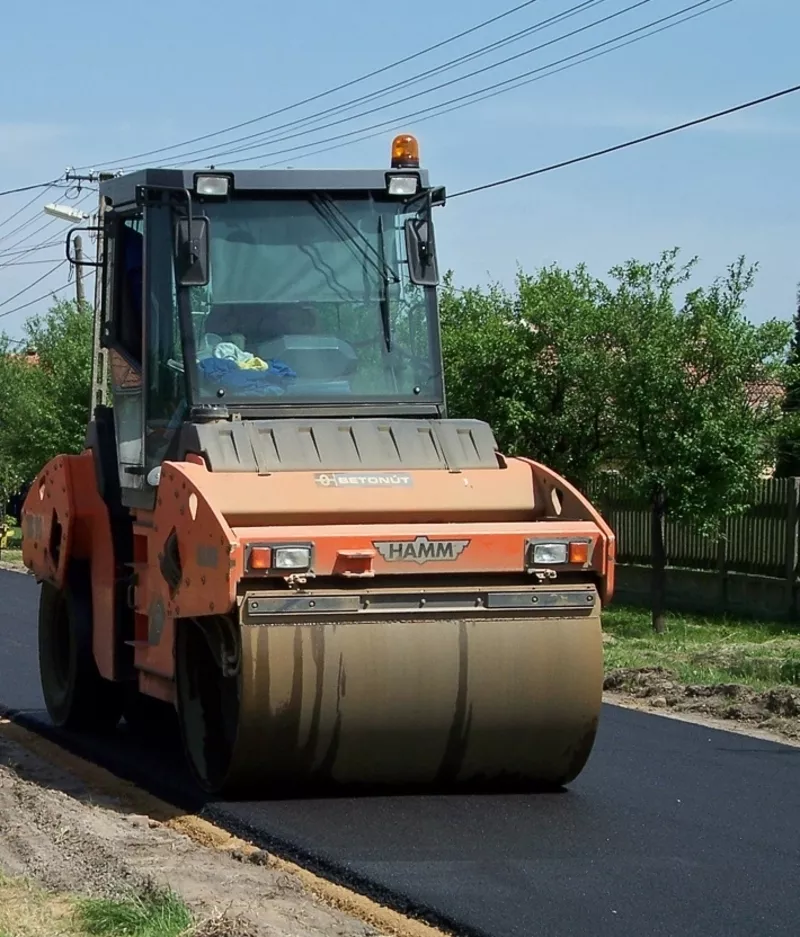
[(166, 381), (126, 351), (129, 300)]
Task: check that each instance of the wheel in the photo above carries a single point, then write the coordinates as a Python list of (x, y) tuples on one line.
[(75, 694), (147, 717), (208, 705)]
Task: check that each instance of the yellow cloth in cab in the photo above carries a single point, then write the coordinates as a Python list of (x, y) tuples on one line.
[(253, 364)]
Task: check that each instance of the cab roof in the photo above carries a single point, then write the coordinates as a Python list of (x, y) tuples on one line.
[(122, 189)]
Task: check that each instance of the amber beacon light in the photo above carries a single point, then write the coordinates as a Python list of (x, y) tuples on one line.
[(405, 152)]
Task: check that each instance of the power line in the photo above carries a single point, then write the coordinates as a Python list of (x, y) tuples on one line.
[(29, 188), (50, 242), (20, 254), (29, 221), (19, 211), (628, 143), (36, 282), (426, 91), (32, 219), (49, 223), (443, 107), (501, 87), (29, 263), (525, 175), (36, 231), (32, 302), (486, 94), (263, 136), (323, 94)]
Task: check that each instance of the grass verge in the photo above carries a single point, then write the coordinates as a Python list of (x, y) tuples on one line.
[(12, 558), (704, 650), (11, 552), (155, 914), (743, 670), (28, 911)]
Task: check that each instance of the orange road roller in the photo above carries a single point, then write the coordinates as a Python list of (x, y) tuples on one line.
[(275, 528)]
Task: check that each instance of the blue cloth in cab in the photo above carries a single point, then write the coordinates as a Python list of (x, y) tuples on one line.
[(227, 373)]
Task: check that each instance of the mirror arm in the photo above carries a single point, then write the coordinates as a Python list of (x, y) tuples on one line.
[(142, 194), (96, 229)]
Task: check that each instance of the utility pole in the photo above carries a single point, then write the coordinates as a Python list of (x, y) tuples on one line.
[(99, 356), (79, 294)]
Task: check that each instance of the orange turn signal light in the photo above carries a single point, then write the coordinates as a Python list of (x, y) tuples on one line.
[(405, 152), (260, 558), (579, 553)]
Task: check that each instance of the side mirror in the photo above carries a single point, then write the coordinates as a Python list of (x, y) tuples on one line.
[(192, 251), (422, 266)]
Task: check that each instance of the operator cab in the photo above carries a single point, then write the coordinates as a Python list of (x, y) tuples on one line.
[(259, 294)]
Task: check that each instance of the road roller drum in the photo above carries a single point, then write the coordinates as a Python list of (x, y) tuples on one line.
[(464, 699)]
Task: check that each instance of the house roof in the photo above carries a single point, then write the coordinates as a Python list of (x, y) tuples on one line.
[(30, 355), (761, 393)]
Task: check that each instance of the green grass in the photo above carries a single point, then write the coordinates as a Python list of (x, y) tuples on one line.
[(12, 552), (155, 914), (27, 910), (702, 650)]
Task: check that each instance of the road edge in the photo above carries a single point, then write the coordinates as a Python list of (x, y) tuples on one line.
[(208, 834), (720, 725)]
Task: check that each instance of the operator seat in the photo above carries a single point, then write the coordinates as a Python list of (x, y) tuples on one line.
[(250, 325)]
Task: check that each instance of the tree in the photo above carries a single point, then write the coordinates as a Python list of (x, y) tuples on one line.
[(688, 438), (532, 365), (789, 450), (45, 404)]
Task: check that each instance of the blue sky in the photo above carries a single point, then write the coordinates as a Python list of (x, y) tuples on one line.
[(89, 88)]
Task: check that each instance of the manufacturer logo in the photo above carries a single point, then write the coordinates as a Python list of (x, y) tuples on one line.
[(421, 550), (359, 480)]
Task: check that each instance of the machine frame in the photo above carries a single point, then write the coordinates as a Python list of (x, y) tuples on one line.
[(271, 542)]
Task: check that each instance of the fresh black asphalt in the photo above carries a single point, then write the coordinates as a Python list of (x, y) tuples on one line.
[(673, 830)]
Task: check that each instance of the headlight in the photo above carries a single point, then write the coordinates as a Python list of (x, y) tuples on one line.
[(213, 185), (291, 557), (403, 185), (549, 553)]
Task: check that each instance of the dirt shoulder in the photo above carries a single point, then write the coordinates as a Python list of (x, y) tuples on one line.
[(772, 714), (738, 675), (74, 830)]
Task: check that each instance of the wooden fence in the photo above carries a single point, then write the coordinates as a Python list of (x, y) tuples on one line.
[(761, 542)]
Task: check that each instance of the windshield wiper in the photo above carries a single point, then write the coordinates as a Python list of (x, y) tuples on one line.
[(339, 221), (330, 212), (384, 294)]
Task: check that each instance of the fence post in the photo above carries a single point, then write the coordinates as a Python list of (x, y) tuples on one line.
[(722, 566), (792, 518)]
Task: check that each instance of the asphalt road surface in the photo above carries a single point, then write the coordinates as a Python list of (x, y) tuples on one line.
[(673, 830)]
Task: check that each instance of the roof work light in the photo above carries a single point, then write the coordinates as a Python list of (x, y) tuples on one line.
[(405, 152), (214, 186)]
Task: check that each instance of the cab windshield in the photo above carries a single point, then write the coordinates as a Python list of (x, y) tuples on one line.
[(310, 299)]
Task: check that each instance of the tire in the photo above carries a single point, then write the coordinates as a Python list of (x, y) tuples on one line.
[(149, 718), (208, 709), (75, 694)]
